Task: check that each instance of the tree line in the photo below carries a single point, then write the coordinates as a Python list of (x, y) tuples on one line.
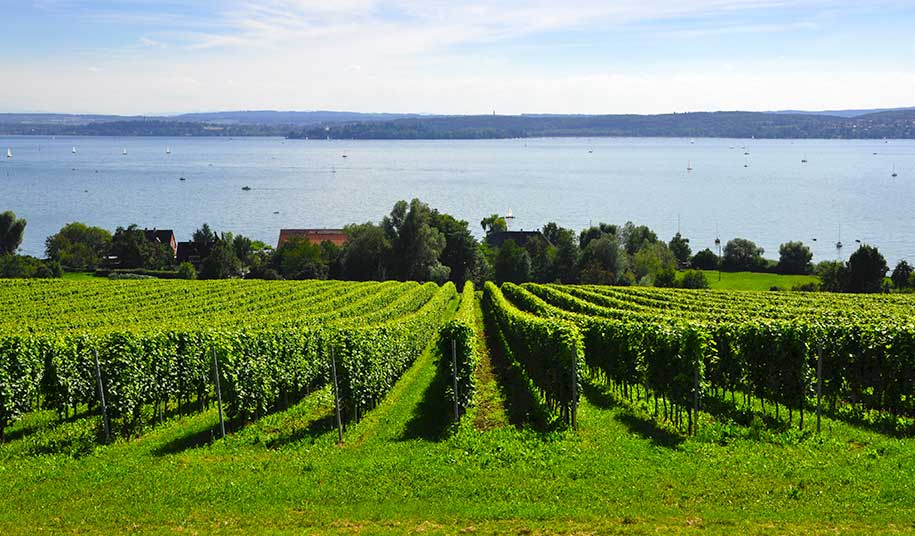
[(417, 242)]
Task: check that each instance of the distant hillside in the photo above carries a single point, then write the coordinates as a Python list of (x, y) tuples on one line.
[(842, 113), (898, 123), (895, 124)]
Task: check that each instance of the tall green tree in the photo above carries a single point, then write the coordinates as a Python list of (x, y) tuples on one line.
[(742, 255), (460, 252), (298, 258), (866, 270), (679, 246), (635, 237), (794, 258), (597, 231), (78, 246), (416, 244), (11, 231), (513, 263), (901, 274), (367, 252), (652, 260), (132, 250)]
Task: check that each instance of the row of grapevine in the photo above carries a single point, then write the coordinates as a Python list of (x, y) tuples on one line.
[(461, 333), (550, 350)]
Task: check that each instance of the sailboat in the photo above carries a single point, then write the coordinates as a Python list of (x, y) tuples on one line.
[(9, 153), (689, 165), (124, 152), (804, 160), (168, 150), (74, 150), (894, 171)]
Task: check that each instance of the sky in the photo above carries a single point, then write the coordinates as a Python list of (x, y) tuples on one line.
[(455, 57)]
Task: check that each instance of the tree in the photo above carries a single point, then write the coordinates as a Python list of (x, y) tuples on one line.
[(564, 268), (705, 260), (742, 255), (595, 232), (866, 270), (133, 250), (79, 246), (901, 274), (635, 237), (694, 279), (666, 278), (512, 263), (186, 270), (794, 258), (204, 238), (460, 251), (221, 263), (416, 244), (679, 246), (652, 259), (298, 258), (493, 224), (366, 253), (24, 266), (833, 275), (603, 260), (11, 231)]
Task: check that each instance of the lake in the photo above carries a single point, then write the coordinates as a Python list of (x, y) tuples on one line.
[(769, 196)]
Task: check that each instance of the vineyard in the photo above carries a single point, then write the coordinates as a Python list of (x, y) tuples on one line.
[(149, 344), (676, 346), (502, 409)]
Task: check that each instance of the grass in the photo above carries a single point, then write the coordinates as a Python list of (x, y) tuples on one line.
[(82, 276), (403, 470), (753, 280)]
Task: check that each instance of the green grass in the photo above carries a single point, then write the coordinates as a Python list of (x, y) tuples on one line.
[(403, 469), (753, 281), (82, 276)]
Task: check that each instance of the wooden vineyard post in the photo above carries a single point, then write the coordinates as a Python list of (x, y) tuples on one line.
[(575, 393), (819, 384), (333, 371), (457, 414), (695, 416), (101, 394), (222, 422)]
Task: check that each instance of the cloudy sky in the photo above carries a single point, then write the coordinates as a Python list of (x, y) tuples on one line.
[(432, 56)]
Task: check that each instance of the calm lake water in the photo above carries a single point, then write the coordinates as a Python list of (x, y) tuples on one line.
[(844, 189)]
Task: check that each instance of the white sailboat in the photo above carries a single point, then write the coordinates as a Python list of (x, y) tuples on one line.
[(124, 152), (894, 171), (73, 150), (689, 165), (804, 160), (168, 150), (9, 153)]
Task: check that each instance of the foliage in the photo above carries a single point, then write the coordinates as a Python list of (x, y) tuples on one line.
[(653, 259), (902, 273), (186, 270), (513, 263), (11, 231), (705, 260), (794, 258), (742, 255), (132, 250), (694, 279), (679, 246), (493, 223), (461, 332), (299, 258), (24, 266), (866, 270), (78, 246), (635, 237)]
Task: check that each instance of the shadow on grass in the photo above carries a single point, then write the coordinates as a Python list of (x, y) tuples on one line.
[(599, 395), (187, 441), (434, 413), (315, 429), (521, 404), (649, 429)]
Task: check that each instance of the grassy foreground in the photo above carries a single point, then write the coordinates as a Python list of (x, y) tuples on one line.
[(403, 469)]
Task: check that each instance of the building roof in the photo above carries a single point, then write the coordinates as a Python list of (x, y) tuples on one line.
[(164, 236), (335, 236), (191, 252), (520, 238)]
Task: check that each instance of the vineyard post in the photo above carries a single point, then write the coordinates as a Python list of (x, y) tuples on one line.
[(101, 394), (333, 371), (222, 422), (575, 392), (695, 416), (457, 415), (819, 383)]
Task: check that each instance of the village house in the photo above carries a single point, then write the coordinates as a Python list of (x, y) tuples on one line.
[(336, 237), (162, 236)]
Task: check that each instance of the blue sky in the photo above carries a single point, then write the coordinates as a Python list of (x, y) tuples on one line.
[(628, 56)]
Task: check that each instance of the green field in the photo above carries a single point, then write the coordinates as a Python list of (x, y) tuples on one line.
[(753, 280), (511, 466)]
